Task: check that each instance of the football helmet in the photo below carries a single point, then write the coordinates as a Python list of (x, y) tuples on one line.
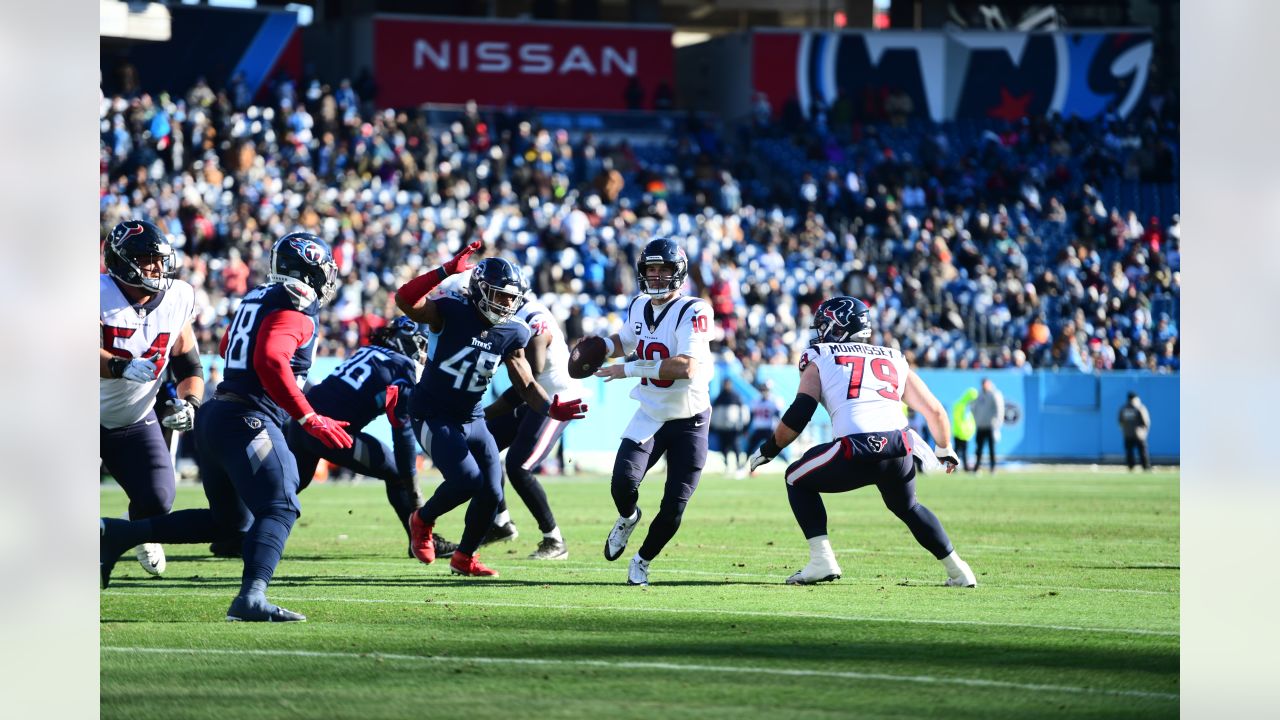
[(663, 251), (134, 244), (498, 289), (303, 264), (841, 319), (403, 336)]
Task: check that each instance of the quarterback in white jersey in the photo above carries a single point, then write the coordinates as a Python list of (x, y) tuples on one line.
[(529, 436), (145, 320), (670, 336), (862, 387)]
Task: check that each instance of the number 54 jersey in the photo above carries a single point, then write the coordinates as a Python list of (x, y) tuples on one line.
[(680, 327), (461, 360), (130, 332), (861, 386)]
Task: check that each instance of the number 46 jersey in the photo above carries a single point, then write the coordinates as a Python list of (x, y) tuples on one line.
[(861, 386), (461, 360)]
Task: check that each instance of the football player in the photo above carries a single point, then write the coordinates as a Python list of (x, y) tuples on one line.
[(529, 436), (248, 472), (670, 336), (145, 321), (862, 387), (472, 333)]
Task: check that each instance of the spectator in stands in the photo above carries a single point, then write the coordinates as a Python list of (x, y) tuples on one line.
[(1135, 424)]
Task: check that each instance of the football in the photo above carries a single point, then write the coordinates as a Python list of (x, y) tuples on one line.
[(586, 357)]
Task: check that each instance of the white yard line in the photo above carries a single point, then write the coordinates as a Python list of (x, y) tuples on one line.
[(678, 611), (673, 667)]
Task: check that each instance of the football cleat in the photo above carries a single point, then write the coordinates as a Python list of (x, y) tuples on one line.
[(550, 549), (443, 547), (150, 557), (818, 570), (469, 565), (246, 608), (616, 543), (638, 572), (505, 532), (421, 544), (963, 578)]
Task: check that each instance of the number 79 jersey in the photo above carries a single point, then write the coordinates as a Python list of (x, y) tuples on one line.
[(461, 360), (682, 326), (861, 386)]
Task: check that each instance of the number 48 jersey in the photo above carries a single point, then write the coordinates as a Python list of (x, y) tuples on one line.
[(861, 386), (681, 327)]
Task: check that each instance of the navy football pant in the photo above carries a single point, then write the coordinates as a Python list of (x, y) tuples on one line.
[(468, 458), (138, 458), (528, 438), (684, 442), (853, 462), (367, 456)]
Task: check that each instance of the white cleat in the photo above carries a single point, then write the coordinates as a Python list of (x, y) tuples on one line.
[(150, 557), (638, 573), (618, 537), (963, 578), (818, 570)]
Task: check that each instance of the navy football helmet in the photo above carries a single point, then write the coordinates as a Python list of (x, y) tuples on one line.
[(498, 289), (131, 252), (663, 251), (841, 319), (303, 264), (403, 336)]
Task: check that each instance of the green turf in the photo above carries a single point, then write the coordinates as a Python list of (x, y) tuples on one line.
[(1076, 613)]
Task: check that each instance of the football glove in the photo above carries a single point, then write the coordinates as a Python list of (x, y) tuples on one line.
[(567, 410), (142, 370), (757, 459), (328, 431), (947, 457), (462, 261), (182, 414)]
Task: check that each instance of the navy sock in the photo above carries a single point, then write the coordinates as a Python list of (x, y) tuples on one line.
[(120, 535), (263, 546), (184, 526), (810, 513)]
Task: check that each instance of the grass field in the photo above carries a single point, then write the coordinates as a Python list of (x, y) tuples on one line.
[(1076, 613)]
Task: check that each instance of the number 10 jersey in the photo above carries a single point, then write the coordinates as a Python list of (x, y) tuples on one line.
[(681, 326)]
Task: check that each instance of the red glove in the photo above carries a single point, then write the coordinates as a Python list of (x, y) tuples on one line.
[(328, 431), (462, 262), (568, 410)]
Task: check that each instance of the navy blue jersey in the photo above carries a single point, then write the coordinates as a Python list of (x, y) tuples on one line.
[(356, 391), (240, 376), (462, 359)]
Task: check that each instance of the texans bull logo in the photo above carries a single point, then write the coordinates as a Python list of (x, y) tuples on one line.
[(878, 442)]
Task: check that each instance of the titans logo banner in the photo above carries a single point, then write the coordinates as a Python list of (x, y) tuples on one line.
[(1005, 75)]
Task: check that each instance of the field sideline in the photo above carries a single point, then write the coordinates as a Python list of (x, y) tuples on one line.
[(1076, 613)]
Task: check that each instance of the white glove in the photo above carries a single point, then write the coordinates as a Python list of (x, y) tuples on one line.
[(947, 457), (920, 449), (757, 459), (182, 417), (141, 370)]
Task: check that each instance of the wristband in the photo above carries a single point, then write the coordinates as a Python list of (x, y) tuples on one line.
[(608, 346), (192, 400), (642, 369), (116, 366), (770, 448)]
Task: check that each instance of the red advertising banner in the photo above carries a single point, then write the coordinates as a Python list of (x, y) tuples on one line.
[(566, 66)]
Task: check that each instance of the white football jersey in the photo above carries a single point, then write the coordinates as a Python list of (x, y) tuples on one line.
[(861, 386), (554, 377), (138, 332), (680, 327)]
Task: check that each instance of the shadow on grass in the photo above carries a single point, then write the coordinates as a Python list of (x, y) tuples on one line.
[(433, 580)]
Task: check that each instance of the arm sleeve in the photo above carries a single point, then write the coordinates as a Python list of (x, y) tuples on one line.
[(280, 335), (693, 334), (402, 441)]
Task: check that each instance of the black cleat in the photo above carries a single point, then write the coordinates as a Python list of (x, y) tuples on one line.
[(443, 547), (256, 609), (550, 549), (500, 533)]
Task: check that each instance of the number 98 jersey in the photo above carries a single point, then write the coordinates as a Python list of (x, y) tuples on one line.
[(861, 386), (462, 359)]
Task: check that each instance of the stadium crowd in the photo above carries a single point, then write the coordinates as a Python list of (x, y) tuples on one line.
[(977, 245)]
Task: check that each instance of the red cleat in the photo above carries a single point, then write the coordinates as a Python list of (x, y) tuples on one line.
[(463, 564), (420, 542)]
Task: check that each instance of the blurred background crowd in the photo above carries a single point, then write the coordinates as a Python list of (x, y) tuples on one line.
[(978, 244)]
